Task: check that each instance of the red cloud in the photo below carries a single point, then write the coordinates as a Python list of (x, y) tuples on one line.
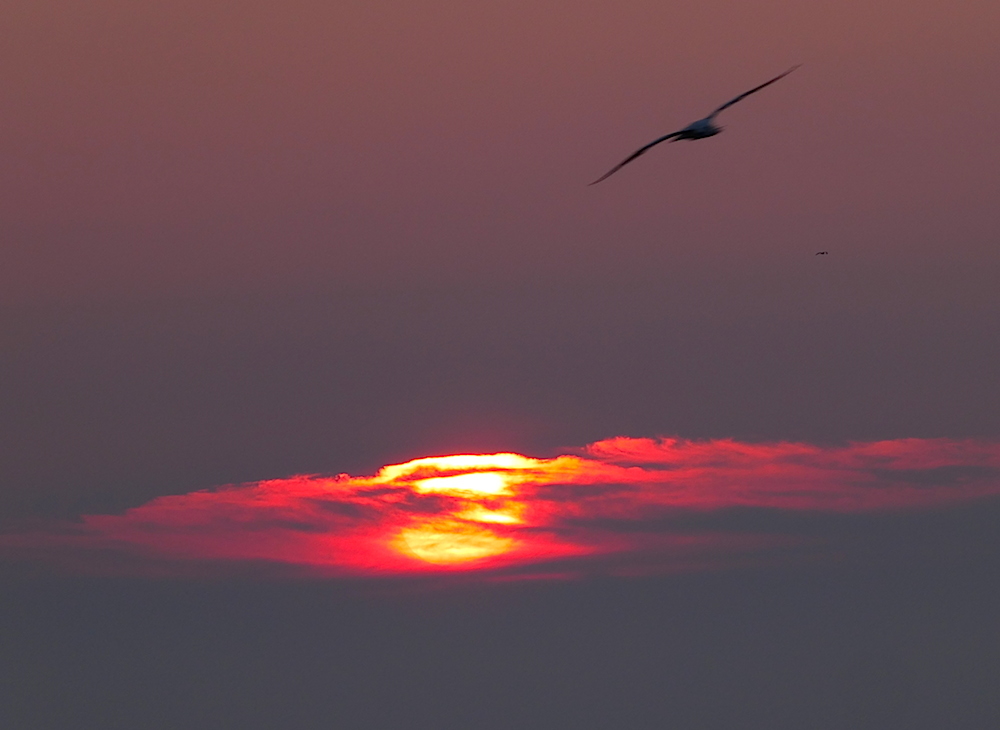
[(623, 505)]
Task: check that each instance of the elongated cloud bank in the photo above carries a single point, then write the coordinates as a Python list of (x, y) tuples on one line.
[(620, 506)]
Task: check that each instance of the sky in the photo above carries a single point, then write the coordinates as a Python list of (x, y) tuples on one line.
[(267, 266)]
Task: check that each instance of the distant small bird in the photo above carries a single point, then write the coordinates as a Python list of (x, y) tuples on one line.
[(695, 130), (822, 253)]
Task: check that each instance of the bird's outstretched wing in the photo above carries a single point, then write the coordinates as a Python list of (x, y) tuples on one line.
[(752, 91), (640, 151)]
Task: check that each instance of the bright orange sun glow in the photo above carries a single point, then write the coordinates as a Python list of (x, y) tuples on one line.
[(622, 506), (478, 483), (447, 542)]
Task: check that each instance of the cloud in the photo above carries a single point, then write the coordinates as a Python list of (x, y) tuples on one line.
[(622, 505)]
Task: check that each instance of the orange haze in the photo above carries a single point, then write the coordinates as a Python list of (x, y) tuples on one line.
[(621, 506)]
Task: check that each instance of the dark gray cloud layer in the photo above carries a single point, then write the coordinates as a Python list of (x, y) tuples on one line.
[(908, 642)]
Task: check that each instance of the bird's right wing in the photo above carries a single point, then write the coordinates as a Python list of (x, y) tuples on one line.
[(640, 151), (754, 90)]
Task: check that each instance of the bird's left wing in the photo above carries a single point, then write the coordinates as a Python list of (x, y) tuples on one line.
[(640, 151), (752, 91)]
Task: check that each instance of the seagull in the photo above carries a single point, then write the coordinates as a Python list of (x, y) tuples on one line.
[(695, 130)]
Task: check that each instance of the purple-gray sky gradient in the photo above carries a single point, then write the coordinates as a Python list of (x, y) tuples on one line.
[(244, 240)]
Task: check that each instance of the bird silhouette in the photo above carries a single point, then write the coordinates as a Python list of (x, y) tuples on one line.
[(695, 130), (822, 253)]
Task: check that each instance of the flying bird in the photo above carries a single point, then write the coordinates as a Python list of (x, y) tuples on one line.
[(822, 253), (695, 130)]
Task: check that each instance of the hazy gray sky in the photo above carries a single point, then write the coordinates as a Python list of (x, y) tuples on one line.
[(245, 240)]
